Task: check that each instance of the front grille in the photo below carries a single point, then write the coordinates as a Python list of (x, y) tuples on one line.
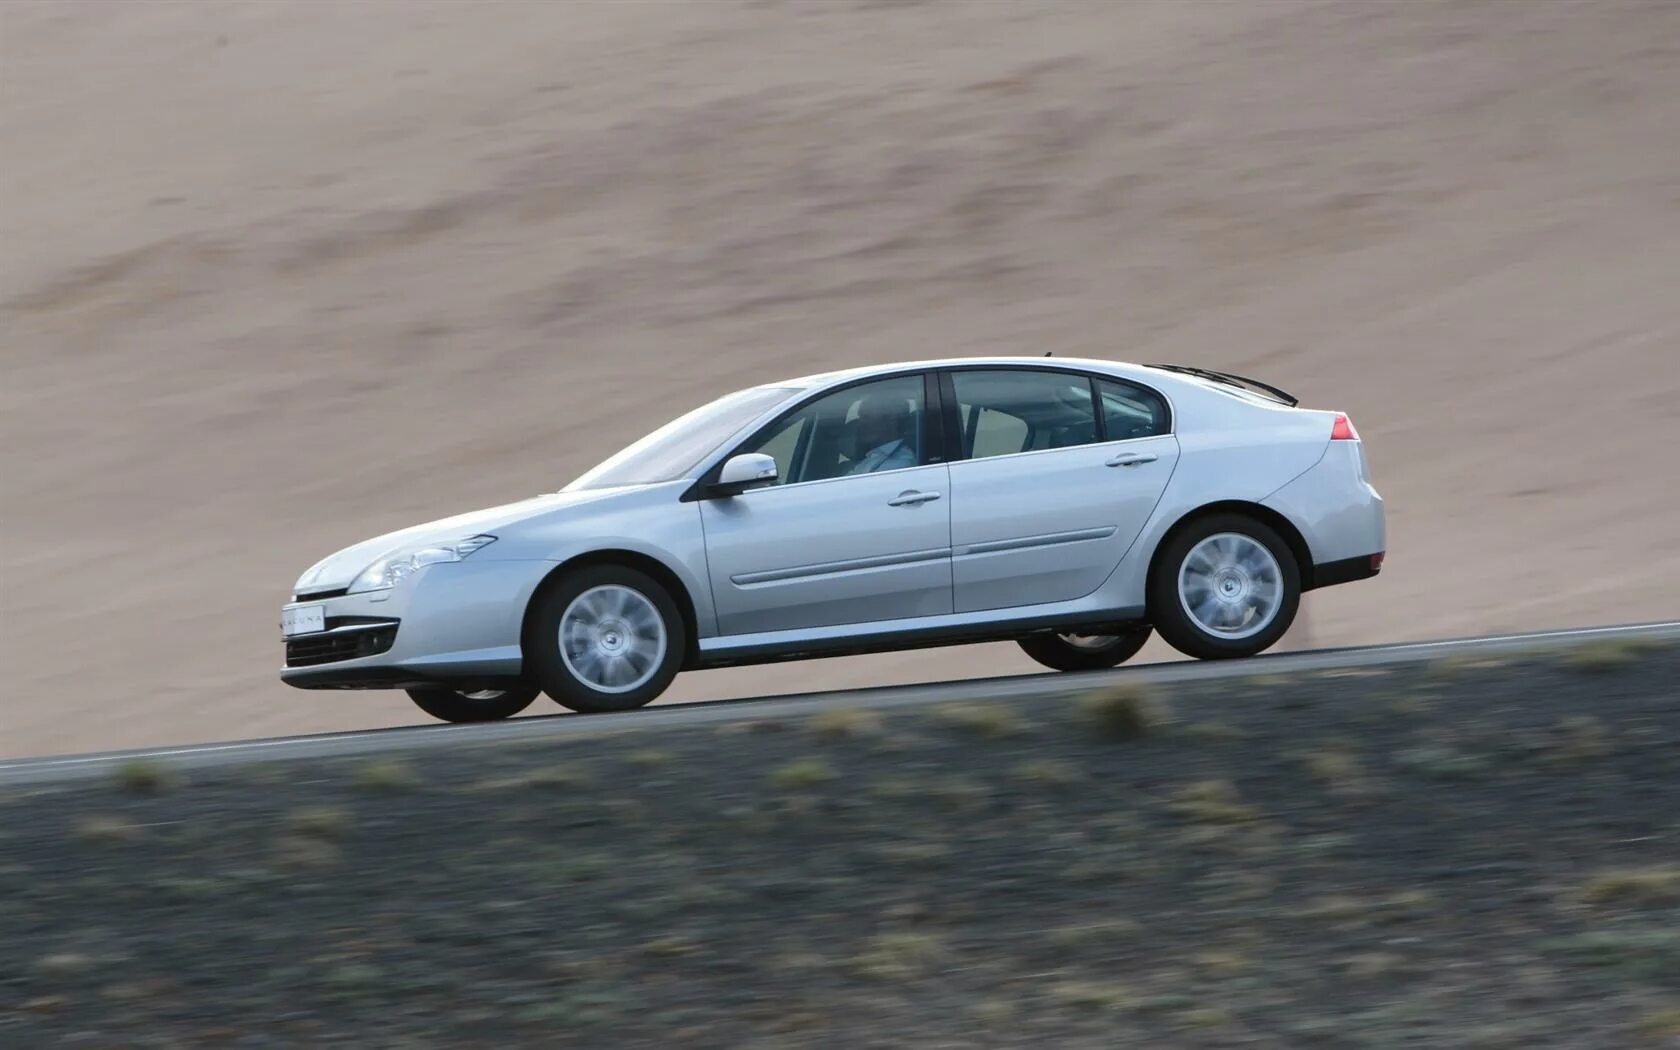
[(330, 646), (311, 596)]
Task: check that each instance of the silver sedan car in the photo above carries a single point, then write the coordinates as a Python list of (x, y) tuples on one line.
[(1073, 506)]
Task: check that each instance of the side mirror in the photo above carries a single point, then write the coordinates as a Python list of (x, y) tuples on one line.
[(749, 470)]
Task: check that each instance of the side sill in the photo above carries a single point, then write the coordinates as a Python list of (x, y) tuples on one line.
[(914, 638)]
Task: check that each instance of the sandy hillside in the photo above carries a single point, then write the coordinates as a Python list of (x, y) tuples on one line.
[(276, 277)]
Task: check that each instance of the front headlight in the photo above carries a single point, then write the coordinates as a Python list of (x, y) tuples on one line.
[(388, 571)]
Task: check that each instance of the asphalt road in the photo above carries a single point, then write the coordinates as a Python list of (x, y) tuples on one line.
[(1019, 687)]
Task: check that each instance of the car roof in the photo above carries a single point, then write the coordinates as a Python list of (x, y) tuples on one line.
[(1165, 379), (1118, 368)]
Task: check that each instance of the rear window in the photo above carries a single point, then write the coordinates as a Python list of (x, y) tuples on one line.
[(1131, 411)]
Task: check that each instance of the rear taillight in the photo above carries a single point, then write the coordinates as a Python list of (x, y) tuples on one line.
[(1343, 430)]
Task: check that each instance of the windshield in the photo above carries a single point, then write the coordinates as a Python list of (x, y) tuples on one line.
[(675, 448)]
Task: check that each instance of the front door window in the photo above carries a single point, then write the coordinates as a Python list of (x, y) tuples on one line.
[(863, 429)]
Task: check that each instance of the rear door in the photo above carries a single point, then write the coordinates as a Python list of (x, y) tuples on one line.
[(856, 530), (1054, 475)]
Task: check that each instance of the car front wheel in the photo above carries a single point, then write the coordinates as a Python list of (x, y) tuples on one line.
[(472, 705), (1084, 652), (1227, 586), (605, 638)]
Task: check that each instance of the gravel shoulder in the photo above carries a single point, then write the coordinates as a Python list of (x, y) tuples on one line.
[(1472, 852)]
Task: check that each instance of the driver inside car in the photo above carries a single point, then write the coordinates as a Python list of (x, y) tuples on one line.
[(883, 426)]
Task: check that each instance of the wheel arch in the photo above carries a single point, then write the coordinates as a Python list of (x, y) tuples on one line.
[(1273, 520), (643, 563)]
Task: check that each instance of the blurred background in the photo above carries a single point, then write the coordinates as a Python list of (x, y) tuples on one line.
[(277, 277)]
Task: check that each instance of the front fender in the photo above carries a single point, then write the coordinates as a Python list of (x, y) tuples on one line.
[(649, 521)]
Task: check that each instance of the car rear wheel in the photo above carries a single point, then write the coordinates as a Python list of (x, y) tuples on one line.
[(1227, 586), (605, 638), (473, 705), (1084, 652)]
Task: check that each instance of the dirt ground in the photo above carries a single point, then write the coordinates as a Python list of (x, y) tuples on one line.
[(277, 277)]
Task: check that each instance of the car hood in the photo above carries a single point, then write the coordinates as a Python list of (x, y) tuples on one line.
[(335, 571)]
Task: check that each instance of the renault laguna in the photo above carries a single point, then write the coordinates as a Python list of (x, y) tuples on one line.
[(1072, 506)]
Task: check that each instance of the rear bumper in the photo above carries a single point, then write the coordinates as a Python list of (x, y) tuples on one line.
[(1338, 513), (1344, 570)]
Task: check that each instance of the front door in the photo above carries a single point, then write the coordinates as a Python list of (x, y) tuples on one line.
[(1050, 493), (857, 529)]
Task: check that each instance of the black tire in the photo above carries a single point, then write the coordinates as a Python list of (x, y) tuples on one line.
[(1181, 630), (466, 705), (1058, 653), (547, 665)]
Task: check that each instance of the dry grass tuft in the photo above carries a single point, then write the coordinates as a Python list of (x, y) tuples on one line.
[(387, 774), (1093, 995), (1368, 966), (305, 851), (844, 723), (801, 773), (550, 777), (896, 789), (141, 776), (1352, 912), (1207, 1017), (1464, 663), (1221, 962), (954, 792), (994, 1013), (320, 822), (1581, 738), (1338, 768), (1606, 654), (1214, 733), (1125, 712), (911, 854), (1636, 886), (63, 964), (1442, 762), (1099, 932), (752, 726), (1050, 773), (991, 720), (959, 793), (673, 946), (1211, 802), (107, 830), (898, 956), (1662, 1022), (1410, 706)]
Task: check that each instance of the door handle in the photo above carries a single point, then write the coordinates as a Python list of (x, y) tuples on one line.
[(911, 498), (1132, 459)]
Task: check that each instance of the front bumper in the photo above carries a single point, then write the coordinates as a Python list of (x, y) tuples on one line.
[(346, 638), (457, 623), (359, 678)]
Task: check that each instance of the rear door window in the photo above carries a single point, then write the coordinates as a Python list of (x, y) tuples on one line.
[(1007, 411)]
